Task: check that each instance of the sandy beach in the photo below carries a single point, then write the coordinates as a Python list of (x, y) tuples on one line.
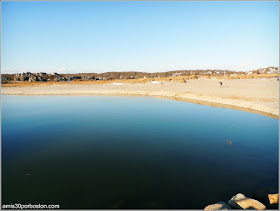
[(254, 95)]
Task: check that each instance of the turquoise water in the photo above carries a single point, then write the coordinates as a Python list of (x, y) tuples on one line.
[(132, 152)]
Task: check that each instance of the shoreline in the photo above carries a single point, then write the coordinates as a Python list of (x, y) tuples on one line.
[(254, 95), (187, 97)]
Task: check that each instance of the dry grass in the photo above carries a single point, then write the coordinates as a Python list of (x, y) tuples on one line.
[(178, 79), (254, 76)]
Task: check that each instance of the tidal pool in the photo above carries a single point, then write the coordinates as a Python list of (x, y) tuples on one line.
[(132, 152)]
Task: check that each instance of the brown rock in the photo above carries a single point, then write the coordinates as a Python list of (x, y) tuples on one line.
[(240, 201), (218, 206), (262, 195), (273, 198)]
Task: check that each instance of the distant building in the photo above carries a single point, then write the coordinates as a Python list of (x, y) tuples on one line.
[(272, 70)]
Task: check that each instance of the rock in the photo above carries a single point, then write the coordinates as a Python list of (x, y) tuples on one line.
[(218, 206), (273, 198), (262, 195), (240, 201)]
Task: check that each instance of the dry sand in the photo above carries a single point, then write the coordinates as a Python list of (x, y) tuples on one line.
[(255, 95)]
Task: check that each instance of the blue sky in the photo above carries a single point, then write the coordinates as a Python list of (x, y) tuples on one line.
[(74, 37)]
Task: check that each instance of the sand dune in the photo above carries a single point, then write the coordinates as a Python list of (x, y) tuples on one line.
[(255, 95)]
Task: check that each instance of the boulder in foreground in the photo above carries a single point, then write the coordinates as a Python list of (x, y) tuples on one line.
[(268, 196), (240, 201), (273, 198), (218, 206)]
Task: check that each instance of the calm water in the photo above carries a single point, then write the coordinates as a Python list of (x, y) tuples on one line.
[(132, 152)]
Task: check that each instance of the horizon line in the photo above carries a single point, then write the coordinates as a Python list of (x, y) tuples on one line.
[(214, 69)]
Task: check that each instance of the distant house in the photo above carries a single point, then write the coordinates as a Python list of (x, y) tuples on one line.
[(32, 78), (272, 70), (58, 78), (4, 78), (262, 71), (175, 74), (53, 73), (106, 77)]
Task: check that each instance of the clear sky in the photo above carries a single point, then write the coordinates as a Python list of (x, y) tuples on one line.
[(73, 37)]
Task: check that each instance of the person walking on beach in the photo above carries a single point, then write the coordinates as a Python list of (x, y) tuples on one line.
[(221, 84), (185, 81)]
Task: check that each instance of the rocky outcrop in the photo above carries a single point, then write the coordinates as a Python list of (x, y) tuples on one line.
[(240, 201)]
